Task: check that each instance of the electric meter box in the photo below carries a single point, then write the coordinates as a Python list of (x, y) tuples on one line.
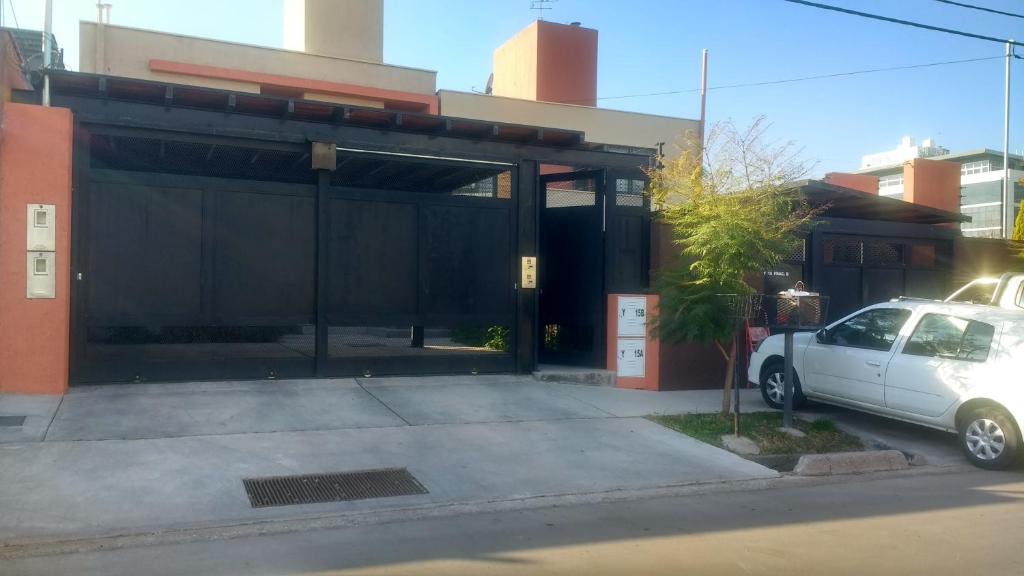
[(42, 228), (42, 275)]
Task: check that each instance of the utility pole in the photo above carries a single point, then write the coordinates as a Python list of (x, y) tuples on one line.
[(703, 99), (47, 50), (1007, 185)]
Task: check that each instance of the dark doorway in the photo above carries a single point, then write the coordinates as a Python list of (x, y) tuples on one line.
[(571, 269)]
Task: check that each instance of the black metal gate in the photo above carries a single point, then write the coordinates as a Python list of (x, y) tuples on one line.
[(595, 240), (207, 259), (419, 268), (571, 269), (856, 271)]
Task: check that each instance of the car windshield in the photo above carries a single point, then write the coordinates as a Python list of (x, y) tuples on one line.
[(975, 293)]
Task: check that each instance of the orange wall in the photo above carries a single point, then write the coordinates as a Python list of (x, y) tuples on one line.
[(548, 62), (35, 167), (566, 64), (862, 182), (652, 375), (934, 183)]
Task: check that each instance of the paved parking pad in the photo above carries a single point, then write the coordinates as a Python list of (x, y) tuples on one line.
[(77, 489), (125, 412)]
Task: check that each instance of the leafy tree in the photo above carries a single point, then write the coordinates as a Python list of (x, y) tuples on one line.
[(733, 214), (1018, 225)]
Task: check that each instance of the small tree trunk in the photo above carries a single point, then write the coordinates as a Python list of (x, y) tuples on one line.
[(730, 359)]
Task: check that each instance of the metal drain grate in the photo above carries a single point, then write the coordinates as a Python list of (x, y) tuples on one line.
[(339, 487), (11, 421)]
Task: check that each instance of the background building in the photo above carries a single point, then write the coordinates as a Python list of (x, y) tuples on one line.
[(545, 75), (981, 182)]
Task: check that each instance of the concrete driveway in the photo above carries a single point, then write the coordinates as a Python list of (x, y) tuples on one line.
[(148, 458), (929, 447)]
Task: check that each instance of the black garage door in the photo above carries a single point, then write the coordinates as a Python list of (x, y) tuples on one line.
[(202, 260)]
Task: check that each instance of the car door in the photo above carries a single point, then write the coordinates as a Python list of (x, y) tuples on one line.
[(848, 362), (939, 361)]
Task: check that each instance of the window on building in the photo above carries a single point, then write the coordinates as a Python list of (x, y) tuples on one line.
[(890, 180), (982, 216), (976, 167), (981, 192), (941, 336)]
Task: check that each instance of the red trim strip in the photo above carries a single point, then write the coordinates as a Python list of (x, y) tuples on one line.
[(395, 99)]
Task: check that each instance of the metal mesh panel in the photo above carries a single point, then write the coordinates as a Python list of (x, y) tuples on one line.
[(797, 254), (883, 253), (842, 251), (630, 192), (570, 193), (422, 176)]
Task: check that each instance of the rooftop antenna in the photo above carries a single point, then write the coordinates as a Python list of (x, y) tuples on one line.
[(103, 12), (540, 6)]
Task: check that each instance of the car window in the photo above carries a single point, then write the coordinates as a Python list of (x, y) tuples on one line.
[(942, 336), (876, 329), (980, 293)]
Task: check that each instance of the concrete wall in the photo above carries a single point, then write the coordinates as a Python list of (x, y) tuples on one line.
[(35, 167), (934, 183), (355, 29), (600, 125), (128, 52), (515, 66), (10, 68)]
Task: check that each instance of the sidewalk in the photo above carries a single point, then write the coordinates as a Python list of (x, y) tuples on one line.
[(149, 458)]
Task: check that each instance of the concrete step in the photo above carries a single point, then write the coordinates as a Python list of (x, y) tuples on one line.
[(575, 375)]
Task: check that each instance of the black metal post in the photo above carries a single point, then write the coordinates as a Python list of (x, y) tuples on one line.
[(416, 337), (323, 182), (738, 343), (787, 388)]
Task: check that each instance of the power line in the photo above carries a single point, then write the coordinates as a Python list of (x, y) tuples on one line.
[(801, 79), (905, 22), (982, 8)]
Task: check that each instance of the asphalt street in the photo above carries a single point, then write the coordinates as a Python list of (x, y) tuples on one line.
[(962, 522)]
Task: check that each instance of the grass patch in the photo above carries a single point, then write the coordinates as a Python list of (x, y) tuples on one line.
[(762, 428)]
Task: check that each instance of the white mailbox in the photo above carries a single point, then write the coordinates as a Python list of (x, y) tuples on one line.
[(42, 227), (42, 275)]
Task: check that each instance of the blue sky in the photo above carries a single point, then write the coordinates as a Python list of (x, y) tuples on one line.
[(654, 46)]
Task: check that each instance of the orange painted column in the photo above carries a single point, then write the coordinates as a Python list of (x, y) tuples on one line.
[(633, 353), (35, 168)]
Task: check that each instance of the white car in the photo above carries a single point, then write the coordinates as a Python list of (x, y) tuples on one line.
[(1006, 291), (952, 366)]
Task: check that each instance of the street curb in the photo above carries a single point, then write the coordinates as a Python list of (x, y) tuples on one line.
[(851, 463), (167, 535)]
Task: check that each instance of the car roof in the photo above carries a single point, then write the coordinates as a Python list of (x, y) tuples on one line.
[(960, 309)]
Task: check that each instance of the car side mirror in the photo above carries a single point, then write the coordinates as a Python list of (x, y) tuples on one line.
[(822, 336)]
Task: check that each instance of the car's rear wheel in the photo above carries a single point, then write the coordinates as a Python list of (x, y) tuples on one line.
[(989, 438), (773, 387)]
